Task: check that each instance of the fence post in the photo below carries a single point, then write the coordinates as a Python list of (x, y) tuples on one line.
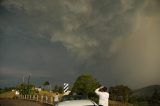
[(37, 97), (30, 97), (33, 97), (51, 100), (42, 98), (46, 99)]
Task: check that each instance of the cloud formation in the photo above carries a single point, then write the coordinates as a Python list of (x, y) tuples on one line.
[(116, 41)]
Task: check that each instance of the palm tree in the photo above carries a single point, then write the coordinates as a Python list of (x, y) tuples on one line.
[(46, 83)]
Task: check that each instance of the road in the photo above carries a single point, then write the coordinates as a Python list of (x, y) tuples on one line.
[(14, 102)]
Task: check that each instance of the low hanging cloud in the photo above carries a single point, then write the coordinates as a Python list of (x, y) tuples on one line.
[(113, 40)]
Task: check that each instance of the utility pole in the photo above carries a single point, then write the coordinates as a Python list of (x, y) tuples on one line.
[(28, 82), (50, 87)]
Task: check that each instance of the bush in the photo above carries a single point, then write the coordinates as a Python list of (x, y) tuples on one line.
[(26, 89)]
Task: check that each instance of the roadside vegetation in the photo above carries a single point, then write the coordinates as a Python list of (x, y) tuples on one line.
[(120, 95)]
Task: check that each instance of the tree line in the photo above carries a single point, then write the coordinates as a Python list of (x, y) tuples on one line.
[(86, 85)]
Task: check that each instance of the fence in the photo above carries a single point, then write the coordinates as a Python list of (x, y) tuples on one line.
[(38, 98), (50, 100)]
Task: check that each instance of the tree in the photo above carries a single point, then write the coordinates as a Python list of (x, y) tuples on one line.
[(55, 88), (58, 89), (155, 99), (46, 83), (120, 93), (86, 85), (26, 89)]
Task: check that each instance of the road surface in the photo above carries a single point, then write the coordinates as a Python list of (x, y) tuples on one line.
[(14, 102)]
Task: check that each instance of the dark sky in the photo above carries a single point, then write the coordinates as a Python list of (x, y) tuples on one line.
[(117, 41)]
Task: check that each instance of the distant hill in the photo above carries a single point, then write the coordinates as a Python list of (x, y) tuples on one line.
[(146, 91)]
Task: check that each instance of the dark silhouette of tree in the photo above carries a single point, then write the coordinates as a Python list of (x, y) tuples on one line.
[(155, 99), (120, 93), (46, 83), (58, 89)]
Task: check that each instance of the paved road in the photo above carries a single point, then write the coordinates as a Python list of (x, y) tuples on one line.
[(11, 102)]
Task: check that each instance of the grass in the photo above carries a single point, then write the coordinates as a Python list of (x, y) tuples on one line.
[(47, 93), (9, 95), (142, 104), (116, 103)]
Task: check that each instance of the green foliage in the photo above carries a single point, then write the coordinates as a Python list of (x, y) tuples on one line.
[(26, 89), (46, 83), (120, 93), (86, 85), (147, 95), (155, 99)]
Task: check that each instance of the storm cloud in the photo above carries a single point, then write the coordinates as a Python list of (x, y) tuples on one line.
[(57, 40)]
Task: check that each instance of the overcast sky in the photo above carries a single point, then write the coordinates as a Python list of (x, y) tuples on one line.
[(117, 41)]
